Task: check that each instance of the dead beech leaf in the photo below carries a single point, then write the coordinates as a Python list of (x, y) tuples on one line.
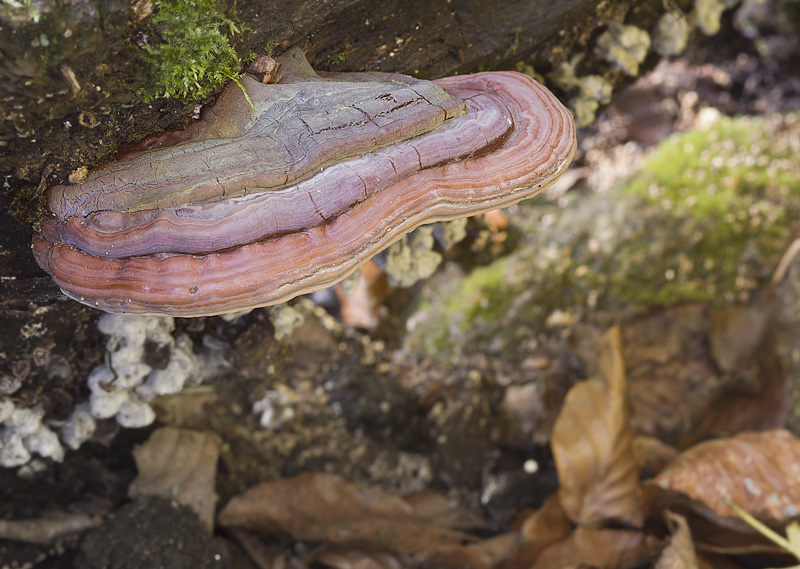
[(494, 550), (592, 446), (744, 346), (652, 455), (362, 304), (679, 553), (453, 556), (737, 332), (436, 508), (546, 525), (486, 554), (760, 472), (600, 548), (711, 533), (358, 559), (542, 528), (263, 555), (179, 464), (326, 508), (48, 530)]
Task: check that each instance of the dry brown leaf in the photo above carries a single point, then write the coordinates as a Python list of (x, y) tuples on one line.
[(592, 446), (263, 555), (737, 332), (47, 530), (496, 549), (187, 409), (713, 561), (745, 346), (359, 559), (546, 525), (455, 556), (760, 472), (711, 532), (361, 306), (436, 508), (483, 555), (542, 528), (678, 392), (600, 548), (181, 465), (679, 553), (652, 455), (325, 508)]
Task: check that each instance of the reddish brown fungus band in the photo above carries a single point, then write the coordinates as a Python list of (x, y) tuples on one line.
[(253, 207)]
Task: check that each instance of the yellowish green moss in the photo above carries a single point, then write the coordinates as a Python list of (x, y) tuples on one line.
[(734, 191), (482, 294), (190, 52), (705, 220), (338, 57)]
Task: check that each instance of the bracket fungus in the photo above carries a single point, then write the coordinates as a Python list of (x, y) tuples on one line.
[(258, 203)]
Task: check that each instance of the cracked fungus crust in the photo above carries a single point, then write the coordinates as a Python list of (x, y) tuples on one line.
[(256, 205)]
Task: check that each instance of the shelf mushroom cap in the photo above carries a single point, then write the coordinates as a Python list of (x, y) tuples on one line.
[(254, 205)]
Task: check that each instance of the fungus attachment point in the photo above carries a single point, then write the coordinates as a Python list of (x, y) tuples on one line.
[(254, 205)]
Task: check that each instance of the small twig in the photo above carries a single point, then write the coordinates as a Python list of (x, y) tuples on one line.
[(786, 260), (767, 532)]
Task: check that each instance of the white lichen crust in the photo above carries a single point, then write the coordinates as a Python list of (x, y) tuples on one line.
[(24, 433), (120, 388)]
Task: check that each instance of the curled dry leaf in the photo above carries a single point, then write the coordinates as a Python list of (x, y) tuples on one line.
[(760, 472), (652, 455), (264, 556), (47, 530), (438, 509), (542, 528), (600, 548), (592, 446), (179, 464), (361, 304), (679, 553), (358, 559), (486, 554), (325, 508)]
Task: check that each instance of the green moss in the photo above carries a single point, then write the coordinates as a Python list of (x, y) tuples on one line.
[(269, 47), (736, 190), (707, 172), (512, 49), (483, 294), (190, 53), (706, 219), (338, 57)]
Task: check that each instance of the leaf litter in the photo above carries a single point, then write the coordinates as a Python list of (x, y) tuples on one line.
[(325, 508), (596, 518)]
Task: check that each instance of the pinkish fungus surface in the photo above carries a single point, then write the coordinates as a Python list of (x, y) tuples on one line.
[(254, 206)]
